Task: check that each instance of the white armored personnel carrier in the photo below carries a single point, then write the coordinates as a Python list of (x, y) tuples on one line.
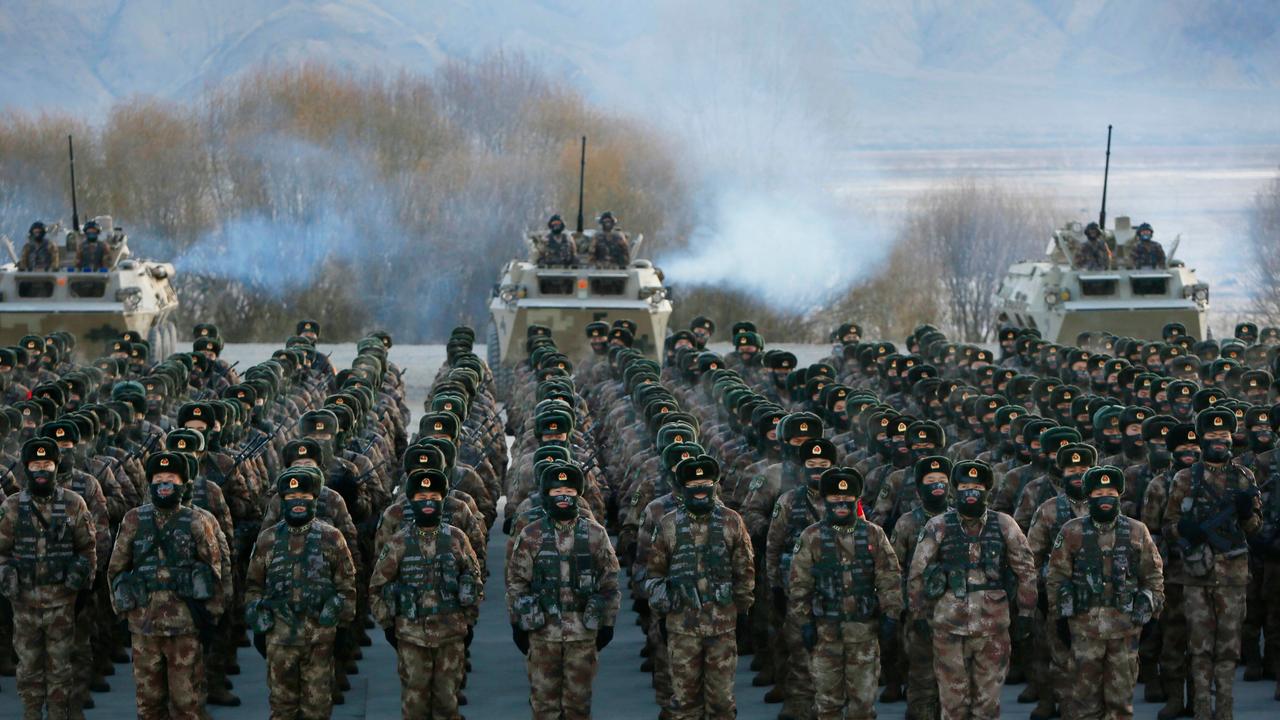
[(1061, 301)]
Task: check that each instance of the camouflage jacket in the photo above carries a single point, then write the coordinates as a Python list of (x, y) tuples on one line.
[(1221, 481), (906, 534), (432, 625), (44, 255), (557, 250), (330, 507), (1148, 254), (1106, 621), (579, 611), (796, 510), (610, 249), (1046, 524), (1092, 255), (457, 512), (78, 524), (711, 619), (802, 591), (339, 572), (982, 612), (165, 612)]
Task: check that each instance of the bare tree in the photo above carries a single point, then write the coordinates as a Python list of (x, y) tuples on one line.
[(963, 237), (1264, 248)]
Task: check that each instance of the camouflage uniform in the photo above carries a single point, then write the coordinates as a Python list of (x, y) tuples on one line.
[(969, 611), (426, 589), (1052, 668), (1088, 582), (299, 587), (556, 250), (610, 249), (1147, 254), (852, 574), (922, 684), (1213, 581), (796, 510), (43, 255), (41, 579), (165, 565), (1092, 255), (701, 576), (562, 587)]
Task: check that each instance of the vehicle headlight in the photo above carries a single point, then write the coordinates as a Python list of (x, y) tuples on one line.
[(1051, 298)]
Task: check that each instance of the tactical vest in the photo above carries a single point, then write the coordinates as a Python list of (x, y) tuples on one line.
[(955, 564), (421, 577), (50, 568), (921, 517), (583, 579), (1088, 580), (1207, 502), (688, 558), (178, 544), (200, 493), (798, 514), (1140, 488), (845, 592), (1063, 513), (308, 573)]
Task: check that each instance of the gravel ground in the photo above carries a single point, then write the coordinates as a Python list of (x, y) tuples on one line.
[(498, 687)]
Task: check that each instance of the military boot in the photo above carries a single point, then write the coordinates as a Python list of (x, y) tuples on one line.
[(775, 695), (221, 696), (1154, 691), (1029, 694), (892, 693), (1252, 662), (1046, 709), (646, 665), (764, 678), (1173, 705)]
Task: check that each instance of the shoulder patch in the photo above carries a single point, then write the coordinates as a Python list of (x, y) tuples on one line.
[(777, 509), (1057, 542), (757, 482)]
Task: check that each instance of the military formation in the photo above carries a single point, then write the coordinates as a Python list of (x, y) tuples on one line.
[(922, 523)]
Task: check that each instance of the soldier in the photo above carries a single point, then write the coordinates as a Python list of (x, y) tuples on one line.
[(703, 328), (555, 248), (974, 585), (609, 247), (845, 585), (562, 596), (40, 253), (1104, 583), (1212, 509), (1093, 254), (932, 475), (1146, 253), (425, 592), (166, 578), (92, 255), (48, 554), (300, 586), (701, 579)]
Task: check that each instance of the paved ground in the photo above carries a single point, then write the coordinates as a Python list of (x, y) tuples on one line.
[(498, 687)]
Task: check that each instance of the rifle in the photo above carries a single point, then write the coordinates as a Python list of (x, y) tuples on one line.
[(142, 449)]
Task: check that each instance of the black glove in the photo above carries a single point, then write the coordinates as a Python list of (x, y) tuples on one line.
[(1042, 599), (390, 635), (506, 524), (809, 635), (471, 635), (888, 629), (604, 636), (779, 602), (1244, 503), (260, 643), (627, 557), (1189, 530), (662, 629), (1021, 628), (1064, 631), (742, 626), (82, 600), (642, 607), (922, 627), (521, 638)]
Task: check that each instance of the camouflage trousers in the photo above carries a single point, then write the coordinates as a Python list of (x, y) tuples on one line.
[(299, 680), (1173, 637), (702, 671), (1052, 663), (169, 675), (1215, 616), (1262, 618), (661, 661), (971, 672), (429, 679), (798, 673), (560, 677), (44, 640), (1106, 672), (845, 674), (922, 684)]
